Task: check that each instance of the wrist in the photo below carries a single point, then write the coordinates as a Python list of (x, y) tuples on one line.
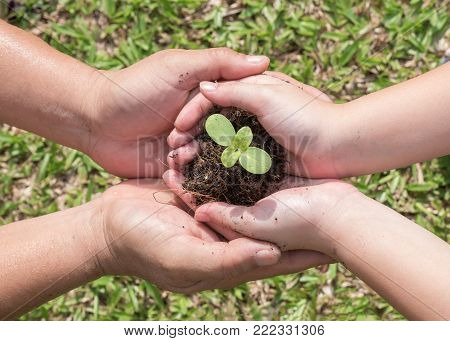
[(92, 241), (99, 103), (70, 103), (349, 137), (339, 128), (340, 204), (345, 223), (105, 237), (321, 154), (86, 105)]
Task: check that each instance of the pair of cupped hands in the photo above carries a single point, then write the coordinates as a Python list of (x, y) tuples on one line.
[(153, 230)]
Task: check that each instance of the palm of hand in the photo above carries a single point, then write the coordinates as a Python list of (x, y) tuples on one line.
[(150, 236)]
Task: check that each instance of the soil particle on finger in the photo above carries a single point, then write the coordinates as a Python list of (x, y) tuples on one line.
[(208, 180)]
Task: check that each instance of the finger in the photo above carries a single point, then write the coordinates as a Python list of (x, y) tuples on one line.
[(262, 79), (207, 264), (261, 221), (180, 157), (250, 97), (290, 262), (217, 63), (235, 258), (174, 180), (254, 222), (227, 233), (194, 92), (305, 87), (192, 112), (179, 138)]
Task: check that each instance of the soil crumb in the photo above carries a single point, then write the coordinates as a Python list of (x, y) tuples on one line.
[(208, 180)]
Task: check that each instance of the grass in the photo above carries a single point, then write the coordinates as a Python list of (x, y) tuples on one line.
[(344, 47)]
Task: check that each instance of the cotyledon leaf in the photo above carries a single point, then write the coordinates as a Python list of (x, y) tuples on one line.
[(255, 160), (230, 156), (243, 139), (220, 129)]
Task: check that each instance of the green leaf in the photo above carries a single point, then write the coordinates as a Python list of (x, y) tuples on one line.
[(220, 129), (3, 9), (425, 187), (255, 160), (243, 139), (348, 53), (109, 7), (230, 156), (43, 167)]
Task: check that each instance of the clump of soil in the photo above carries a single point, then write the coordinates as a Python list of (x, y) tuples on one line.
[(208, 180)]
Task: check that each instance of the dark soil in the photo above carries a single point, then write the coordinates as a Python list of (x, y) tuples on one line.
[(208, 180)]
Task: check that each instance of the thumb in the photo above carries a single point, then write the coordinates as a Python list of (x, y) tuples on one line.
[(235, 258), (244, 254), (215, 64)]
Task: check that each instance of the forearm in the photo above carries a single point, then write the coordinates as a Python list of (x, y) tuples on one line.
[(397, 126), (403, 262), (44, 257), (43, 90)]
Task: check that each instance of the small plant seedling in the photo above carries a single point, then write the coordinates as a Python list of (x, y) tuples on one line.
[(252, 159)]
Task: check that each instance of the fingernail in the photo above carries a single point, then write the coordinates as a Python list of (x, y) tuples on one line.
[(265, 258), (201, 217), (256, 59), (209, 86)]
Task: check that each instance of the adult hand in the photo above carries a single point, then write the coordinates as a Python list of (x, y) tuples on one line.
[(301, 118), (120, 118), (149, 235), (135, 228), (134, 109)]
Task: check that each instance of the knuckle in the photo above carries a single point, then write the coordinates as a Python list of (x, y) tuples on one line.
[(170, 57), (235, 93), (169, 52), (221, 52)]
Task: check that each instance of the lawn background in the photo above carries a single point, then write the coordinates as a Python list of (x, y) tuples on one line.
[(346, 48)]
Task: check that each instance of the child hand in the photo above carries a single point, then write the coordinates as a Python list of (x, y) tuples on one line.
[(301, 118), (301, 218)]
